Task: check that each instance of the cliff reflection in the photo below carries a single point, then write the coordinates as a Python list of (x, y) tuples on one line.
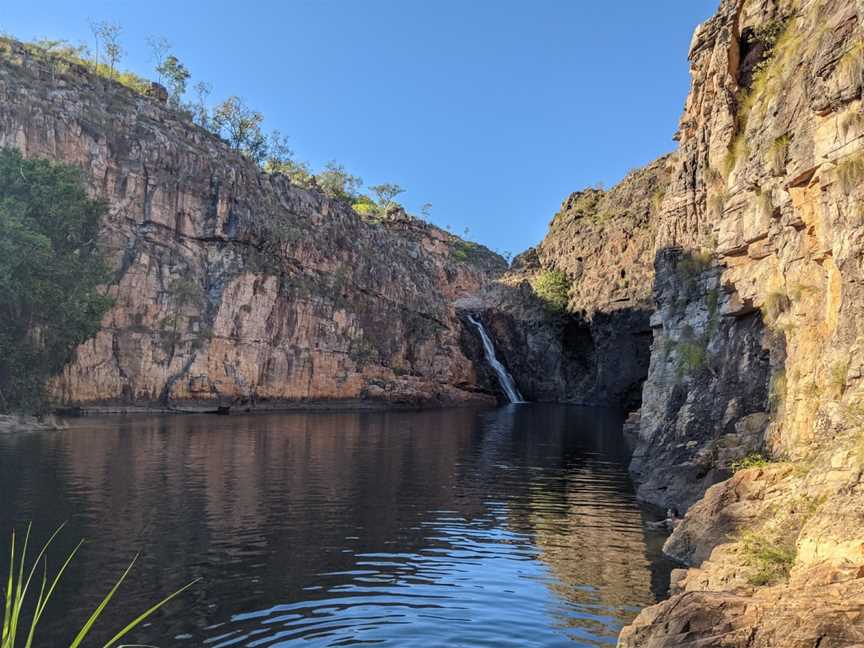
[(391, 526)]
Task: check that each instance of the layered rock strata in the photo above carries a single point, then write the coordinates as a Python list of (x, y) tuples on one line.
[(231, 286), (757, 342), (752, 409), (596, 351)]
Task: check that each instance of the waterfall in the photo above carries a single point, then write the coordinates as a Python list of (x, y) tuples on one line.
[(504, 377)]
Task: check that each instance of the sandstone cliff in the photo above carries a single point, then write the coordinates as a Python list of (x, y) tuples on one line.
[(742, 253), (757, 341), (752, 409), (719, 290), (232, 286), (597, 352)]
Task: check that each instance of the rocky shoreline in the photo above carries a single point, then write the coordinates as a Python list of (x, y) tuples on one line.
[(10, 424)]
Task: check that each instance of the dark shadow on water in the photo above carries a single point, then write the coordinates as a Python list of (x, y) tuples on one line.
[(513, 526)]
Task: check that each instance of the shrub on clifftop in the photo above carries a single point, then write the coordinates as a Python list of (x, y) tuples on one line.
[(50, 266), (553, 288)]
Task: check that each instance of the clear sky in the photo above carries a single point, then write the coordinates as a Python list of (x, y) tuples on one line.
[(491, 110)]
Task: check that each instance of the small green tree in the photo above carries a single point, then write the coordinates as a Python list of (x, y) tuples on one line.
[(160, 48), (279, 154), (336, 182), (241, 126), (108, 33), (176, 75), (50, 268), (386, 193), (280, 159), (198, 108), (365, 206)]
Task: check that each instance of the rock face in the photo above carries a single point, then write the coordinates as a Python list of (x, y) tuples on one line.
[(757, 339), (746, 266), (720, 290), (597, 351), (232, 286), (708, 381)]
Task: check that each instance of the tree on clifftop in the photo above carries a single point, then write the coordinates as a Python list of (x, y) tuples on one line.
[(176, 75), (386, 194), (241, 126), (50, 267)]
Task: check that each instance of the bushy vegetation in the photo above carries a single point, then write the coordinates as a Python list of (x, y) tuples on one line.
[(770, 550), (553, 288), (752, 460), (738, 151), (693, 264), (466, 252), (770, 558), (585, 205), (691, 356), (365, 206), (240, 125), (60, 55), (850, 173), (781, 43), (851, 64), (837, 377), (50, 268), (851, 122)]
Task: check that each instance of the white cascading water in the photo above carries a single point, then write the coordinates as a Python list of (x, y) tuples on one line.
[(504, 377)]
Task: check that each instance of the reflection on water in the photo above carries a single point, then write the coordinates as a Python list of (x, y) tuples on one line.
[(508, 527)]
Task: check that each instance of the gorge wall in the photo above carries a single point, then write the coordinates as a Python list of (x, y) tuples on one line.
[(719, 291), (231, 286), (746, 266), (596, 351)]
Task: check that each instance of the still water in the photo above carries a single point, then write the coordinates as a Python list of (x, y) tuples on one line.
[(509, 527)]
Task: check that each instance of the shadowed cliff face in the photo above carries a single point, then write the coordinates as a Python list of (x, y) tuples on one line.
[(596, 350), (742, 251), (233, 286), (765, 197), (706, 397)]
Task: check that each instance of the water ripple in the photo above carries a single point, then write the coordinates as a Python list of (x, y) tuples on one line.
[(510, 527)]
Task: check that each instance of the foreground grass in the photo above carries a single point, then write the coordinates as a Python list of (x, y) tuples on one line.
[(22, 580)]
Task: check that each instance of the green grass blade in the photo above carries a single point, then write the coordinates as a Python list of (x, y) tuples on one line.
[(40, 606), (82, 634), (37, 561), (7, 609), (38, 603), (131, 626), (19, 597), (21, 590)]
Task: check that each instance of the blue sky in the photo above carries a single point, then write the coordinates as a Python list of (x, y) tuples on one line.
[(491, 110)]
